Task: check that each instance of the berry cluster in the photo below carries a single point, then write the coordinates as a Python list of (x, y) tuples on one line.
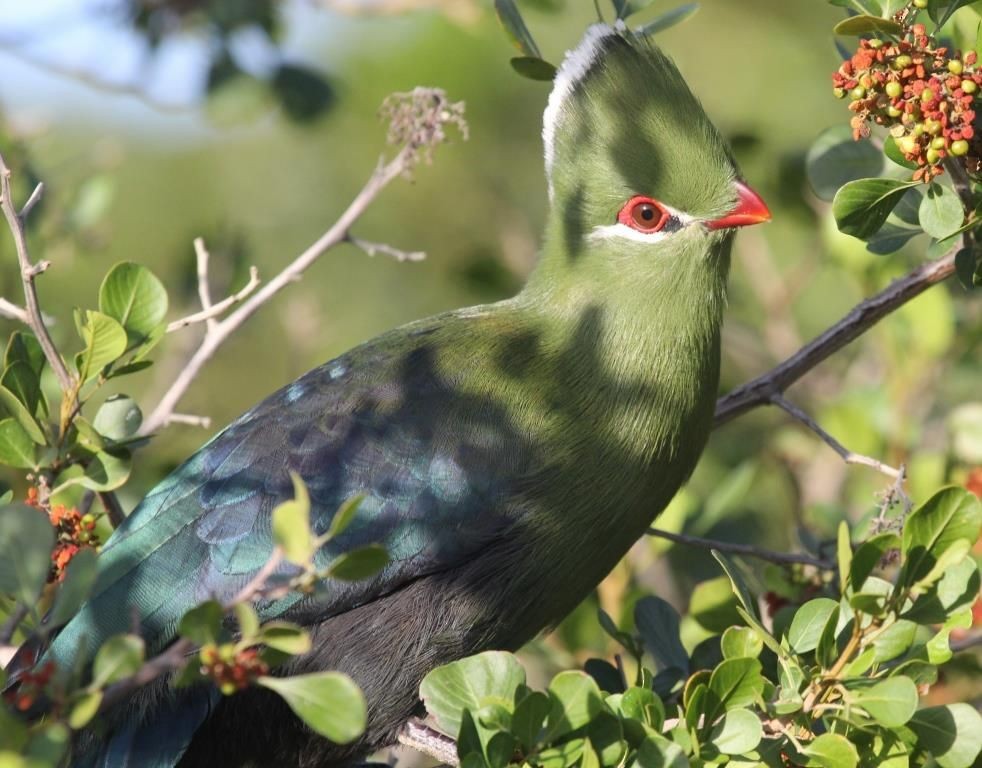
[(73, 530), (231, 670), (925, 97), (31, 686)]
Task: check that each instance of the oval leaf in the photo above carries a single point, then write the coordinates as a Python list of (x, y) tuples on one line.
[(104, 339), (133, 296), (808, 623), (16, 446), (533, 68), (26, 539), (858, 26), (359, 564), (118, 418), (514, 25), (952, 734), (120, 656), (940, 212), (328, 702), (891, 702), (668, 19), (861, 207), (830, 750), (835, 159)]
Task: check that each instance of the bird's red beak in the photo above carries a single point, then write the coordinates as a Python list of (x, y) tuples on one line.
[(750, 209)]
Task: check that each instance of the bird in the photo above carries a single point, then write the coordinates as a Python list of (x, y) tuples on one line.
[(508, 455)]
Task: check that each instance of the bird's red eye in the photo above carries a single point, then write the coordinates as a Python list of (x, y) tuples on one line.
[(643, 214)]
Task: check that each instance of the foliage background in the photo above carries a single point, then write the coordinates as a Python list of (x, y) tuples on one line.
[(127, 181)]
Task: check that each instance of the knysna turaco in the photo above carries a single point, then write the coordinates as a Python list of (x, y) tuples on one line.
[(510, 453)]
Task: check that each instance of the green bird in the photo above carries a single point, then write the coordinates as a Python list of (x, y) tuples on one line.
[(509, 454)]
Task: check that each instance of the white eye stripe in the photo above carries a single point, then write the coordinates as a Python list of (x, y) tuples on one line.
[(618, 230)]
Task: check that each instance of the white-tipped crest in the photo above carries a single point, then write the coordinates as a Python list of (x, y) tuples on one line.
[(576, 64)]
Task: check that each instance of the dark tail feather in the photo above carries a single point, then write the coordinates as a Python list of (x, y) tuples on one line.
[(159, 743)]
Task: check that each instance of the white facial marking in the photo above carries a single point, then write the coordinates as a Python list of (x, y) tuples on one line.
[(574, 68), (623, 231)]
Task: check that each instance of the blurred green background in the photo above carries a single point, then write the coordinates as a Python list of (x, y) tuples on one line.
[(138, 159)]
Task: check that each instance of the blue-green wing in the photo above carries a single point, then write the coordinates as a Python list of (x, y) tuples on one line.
[(436, 463)]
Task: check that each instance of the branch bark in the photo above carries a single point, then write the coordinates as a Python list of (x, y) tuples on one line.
[(747, 550), (424, 739), (862, 317)]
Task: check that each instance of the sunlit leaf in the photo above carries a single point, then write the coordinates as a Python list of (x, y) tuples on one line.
[(328, 702)]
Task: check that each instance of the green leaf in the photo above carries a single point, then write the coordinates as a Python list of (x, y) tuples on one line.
[(737, 682), (471, 683), (894, 641), (668, 19), (84, 708), (941, 211), (203, 623), (104, 339), (533, 68), (25, 348), (344, 515), (564, 755), (741, 642), (118, 418), (952, 514), (511, 20), (830, 750), (23, 382), (21, 415), (26, 539), (105, 472), (658, 624), (713, 605), (859, 26), (861, 207), (576, 700), (658, 752), (328, 702), (248, 621), (808, 623), (16, 447), (868, 556), (644, 706), (133, 296), (738, 733), (836, 158), (75, 587), (965, 268), (959, 586), (285, 637), (626, 8), (890, 702), (120, 656), (291, 524), (937, 648), (359, 564), (738, 584), (952, 734), (529, 715)]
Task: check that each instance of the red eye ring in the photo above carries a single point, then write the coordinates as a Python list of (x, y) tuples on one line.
[(643, 214)]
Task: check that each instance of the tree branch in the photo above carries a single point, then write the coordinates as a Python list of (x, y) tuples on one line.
[(781, 558), (430, 742), (861, 318), (848, 456), (221, 330), (28, 272), (11, 311)]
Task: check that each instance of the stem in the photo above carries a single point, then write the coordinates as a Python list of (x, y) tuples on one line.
[(782, 558)]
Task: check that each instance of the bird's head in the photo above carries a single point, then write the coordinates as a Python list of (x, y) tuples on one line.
[(640, 180)]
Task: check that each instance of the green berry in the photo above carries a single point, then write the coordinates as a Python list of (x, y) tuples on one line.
[(939, 142), (858, 93), (955, 67), (875, 43), (907, 145), (969, 86), (920, 4), (894, 89), (932, 156), (959, 148), (933, 127), (927, 94), (894, 112), (903, 61), (839, 93), (228, 689)]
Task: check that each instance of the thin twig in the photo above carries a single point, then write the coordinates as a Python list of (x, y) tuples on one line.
[(861, 318), (375, 248), (189, 419), (11, 311), (114, 511), (850, 457), (28, 272), (209, 314), (430, 742), (782, 558), (966, 643), (13, 621), (218, 333)]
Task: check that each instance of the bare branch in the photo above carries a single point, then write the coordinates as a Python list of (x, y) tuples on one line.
[(847, 456), (7, 629), (11, 311), (782, 558), (189, 419), (973, 640), (218, 333), (212, 311), (113, 508), (430, 742), (25, 211), (375, 248), (860, 319), (28, 272), (204, 290)]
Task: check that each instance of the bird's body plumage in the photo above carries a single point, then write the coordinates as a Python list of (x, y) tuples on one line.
[(509, 454)]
